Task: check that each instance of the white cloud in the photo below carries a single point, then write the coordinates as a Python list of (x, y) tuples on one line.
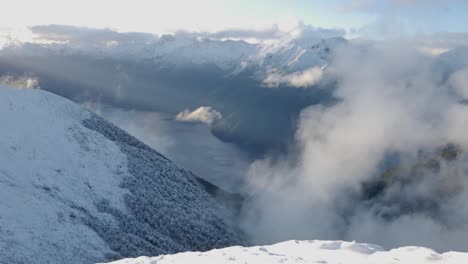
[(203, 114), (459, 80), (303, 79), (20, 82), (278, 32), (390, 101)]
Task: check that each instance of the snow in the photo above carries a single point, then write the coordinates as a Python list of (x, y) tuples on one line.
[(313, 251), (182, 50), (44, 170), (76, 189), (295, 56)]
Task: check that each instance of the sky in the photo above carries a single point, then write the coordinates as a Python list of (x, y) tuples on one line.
[(160, 16)]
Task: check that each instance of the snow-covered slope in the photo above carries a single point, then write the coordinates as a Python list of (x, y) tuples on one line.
[(317, 252), (181, 51), (295, 55), (76, 189)]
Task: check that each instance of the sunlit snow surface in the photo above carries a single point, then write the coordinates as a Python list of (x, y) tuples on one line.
[(317, 252)]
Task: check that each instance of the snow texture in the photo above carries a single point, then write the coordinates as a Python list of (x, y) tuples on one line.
[(179, 51), (76, 189), (317, 252)]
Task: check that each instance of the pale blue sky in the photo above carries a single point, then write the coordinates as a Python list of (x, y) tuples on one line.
[(417, 15)]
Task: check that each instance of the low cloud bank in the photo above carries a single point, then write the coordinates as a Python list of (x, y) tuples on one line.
[(459, 80), (303, 79), (19, 82), (72, 34), (386, 164)]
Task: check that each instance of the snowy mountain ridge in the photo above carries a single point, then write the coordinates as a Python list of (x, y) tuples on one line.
[(181, 50), (313, 251), (76, 189)]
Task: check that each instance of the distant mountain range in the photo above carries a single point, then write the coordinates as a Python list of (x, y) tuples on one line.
[(182, 50), (259, 88), (173, 73)]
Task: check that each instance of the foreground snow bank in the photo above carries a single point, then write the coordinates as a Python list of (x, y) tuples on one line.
[(325, 252)]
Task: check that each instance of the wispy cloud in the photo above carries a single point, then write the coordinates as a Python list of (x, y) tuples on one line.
[(297, 29), (392, 5), (64, 33), (303, 79)]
